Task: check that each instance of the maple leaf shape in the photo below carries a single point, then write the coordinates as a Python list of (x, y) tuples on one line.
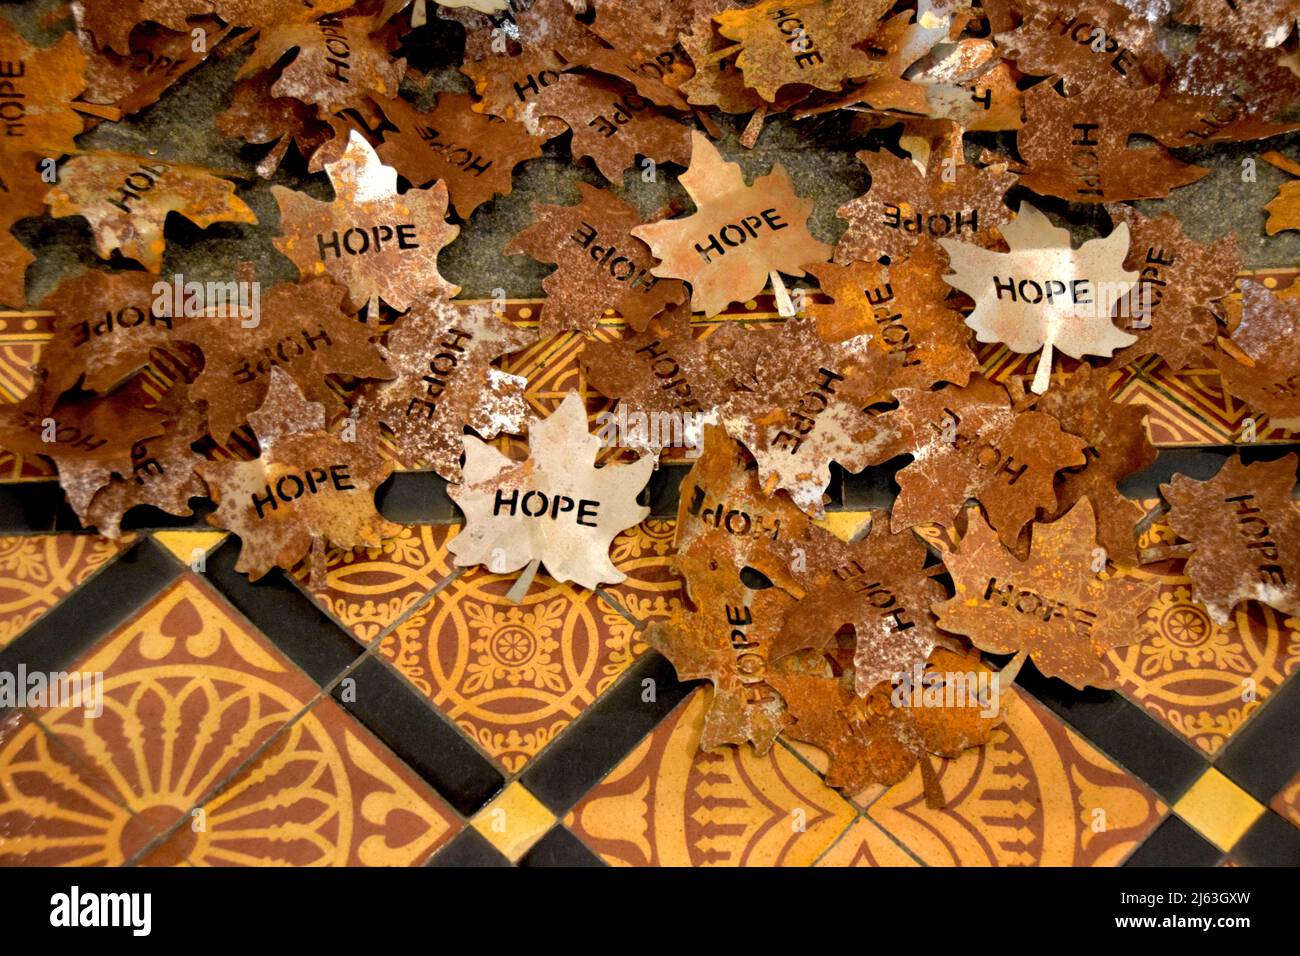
[(808, 42), (163, 470), (1245, 532), (44, 82), (1220, 91), (600, 263), (106, 328), (557, 507), (379, 244), (441, 356), (610, 123), (1266, 354), (158, 59), (1284, 208), (1263, 23), (873, 741), (717, 80), (967, 83), (473, 153), (805, 410), (876, 584), (902, 306), (1117, 447), (1051, 607), (646, 34), (1044, 293), (337, 61), (308, 488), (725, 639), (1088, 130), (111, 24), (904, 203), (1179, 283), (1100, 40), (126, 199), (662, 370), (257, 116), (738, 234), (506, 86), (303, 331), (970, 443), (89, 438), (765, 532)]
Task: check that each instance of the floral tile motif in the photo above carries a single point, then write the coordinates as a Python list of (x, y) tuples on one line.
[(645, 555), (1201, 679), (1036, 795), (37, 571), (513, 676), (1287, 803), (366, 590), (667, 804), (326, 793), (189, 692), (54, 811)]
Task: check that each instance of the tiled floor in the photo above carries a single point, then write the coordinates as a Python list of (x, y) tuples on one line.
[(408, 713)]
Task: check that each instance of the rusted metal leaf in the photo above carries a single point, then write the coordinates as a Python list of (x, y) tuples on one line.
[(1076, 147), (1044, 293), (107, 327), (1245, 532), (1174, 307), (738, 234), (725, 639), (970, 443), (1052, 607), (473, 153), (126, 199), (907, 200), (805, 410), (378, 243), (903, 308), (441, 355), (601, 264), (878, 585), (805, 42), (308, 488), (557, 507), (302, 330), (1266, 347)]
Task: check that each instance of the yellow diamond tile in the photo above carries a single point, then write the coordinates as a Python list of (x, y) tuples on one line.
[(184, 544), (513, 821), (1218, 809)]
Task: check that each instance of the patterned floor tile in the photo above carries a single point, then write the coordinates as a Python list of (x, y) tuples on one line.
[(1218, 809), (37, 571), (325, 793), (513, 676), (645, 555), (1201, 679), (366, 590), (189, 693), (667, 804), (1037, 794), (865, 844), (1287, 802), (54, 811)]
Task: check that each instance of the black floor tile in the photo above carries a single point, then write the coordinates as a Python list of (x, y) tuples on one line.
[(1174, 843), (560, 848), (1122, 730), (604, 734), (1272, 841), (1263, 757), (402, 718), (276, 606), (94, 610), (469, 848)]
